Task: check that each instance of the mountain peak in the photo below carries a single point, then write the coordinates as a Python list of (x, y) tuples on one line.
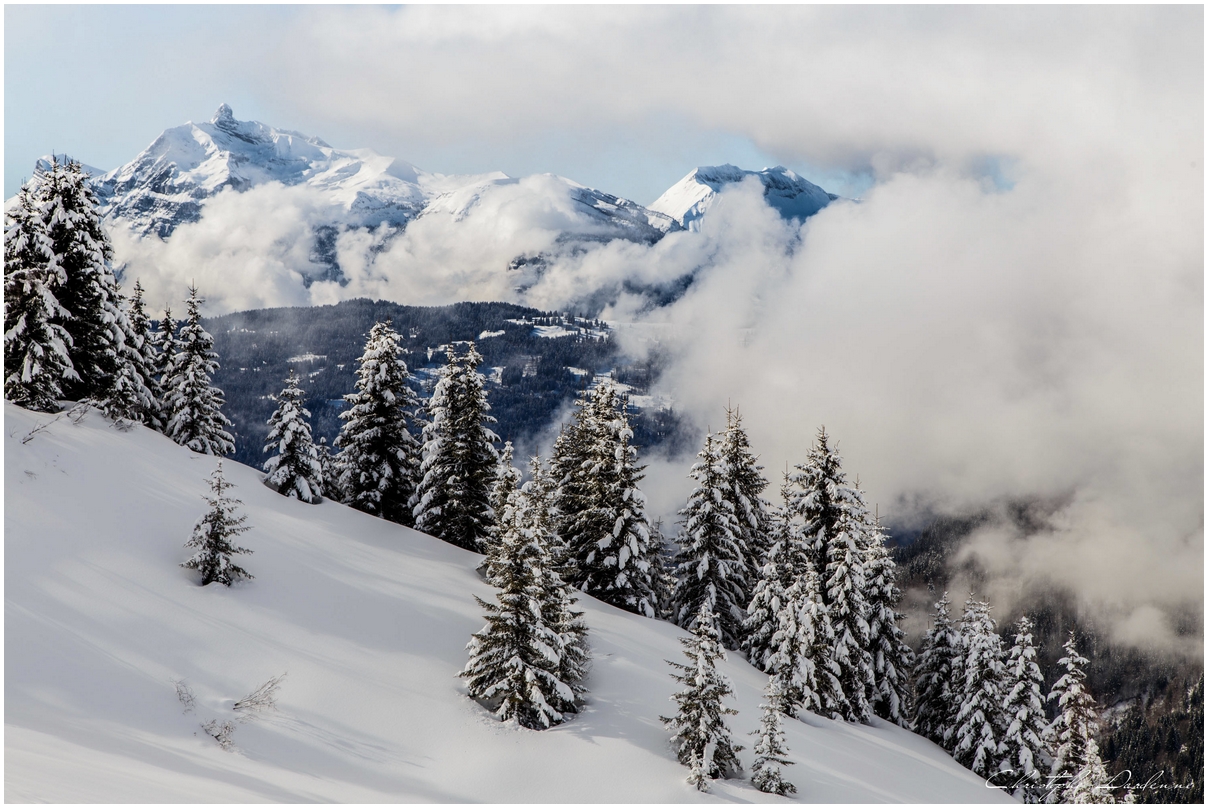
[(687, 201), (224, 115)]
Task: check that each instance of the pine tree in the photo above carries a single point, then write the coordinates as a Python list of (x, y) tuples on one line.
[(143, 360), (459, 456), (936, 674), (89, 294), (744, 486), (507, 480), (831, 519), (193, 403), (712, 562), (379, 457), (527, 661), (330, 466), (892, 657), (770, 750), (776, 575), (1077, 773), (600, 509), (166, 349), (129, 398), (213, 533), (699, 733), (1023, 748), (37, 347), (979, 723), (295, 470)]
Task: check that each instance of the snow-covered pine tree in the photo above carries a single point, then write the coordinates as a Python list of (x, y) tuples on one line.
[(776, 575), (698, 729), (36, 345), (979, 723), (831, 518), (601, 510), (166, 347), (129, 398), (558, 601), (507, 480), (141, 355), (459, 455), (711, 564), (516, 660), (330, 465), (379, 457), (804, 658), (70, 209), (213, 534), (770, 750), (936, 673), (1023, 748), (1076, 771), (193, 403), (892, 657), (568, 483), (744, 488), (295, 470)]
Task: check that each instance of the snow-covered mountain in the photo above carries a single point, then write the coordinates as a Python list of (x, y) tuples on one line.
[(368, 619), (169, 182), (690, 199)]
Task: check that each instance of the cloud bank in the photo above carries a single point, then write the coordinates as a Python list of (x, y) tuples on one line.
[(1014, 309)]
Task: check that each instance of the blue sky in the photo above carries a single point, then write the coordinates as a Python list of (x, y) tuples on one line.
[(132, 71)]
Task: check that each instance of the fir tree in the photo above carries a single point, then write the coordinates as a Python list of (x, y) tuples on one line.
[(129, 397), (1077, 773), (699, 733), (459, 456), (193, 403), (776, 575), (166, 349), (295, 470), (507, 480), (1023, 749), (143, 359), (831, 520), (89, 294), (601, 510), (770, 750), (712, 562), (743, 489), (892, 657), (213, 534), (378, 455), (330, 466), (979, 723), (37, 347), (804, 641), (527, 661), (936, 671)]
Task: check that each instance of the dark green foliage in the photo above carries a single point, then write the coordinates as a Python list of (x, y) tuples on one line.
[(213, 534), (700, 736), (37, 357), (192, 402), (453, 497), (379, 457)]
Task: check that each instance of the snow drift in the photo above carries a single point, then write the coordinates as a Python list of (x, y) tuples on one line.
[(369, 621)]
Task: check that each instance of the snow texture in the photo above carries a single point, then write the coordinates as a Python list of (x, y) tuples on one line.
[(369, 618)]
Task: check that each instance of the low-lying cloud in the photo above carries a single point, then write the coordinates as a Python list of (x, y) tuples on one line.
[(1014, 310)]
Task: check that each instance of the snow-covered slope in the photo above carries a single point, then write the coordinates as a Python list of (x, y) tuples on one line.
[(689, 199), (369, 620)]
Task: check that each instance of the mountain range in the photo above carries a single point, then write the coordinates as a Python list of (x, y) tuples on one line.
[(358, 201)]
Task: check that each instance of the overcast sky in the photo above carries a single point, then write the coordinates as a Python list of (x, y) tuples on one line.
[(1014, 309)]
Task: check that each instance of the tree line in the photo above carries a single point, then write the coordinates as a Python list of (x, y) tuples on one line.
[(806, 591)]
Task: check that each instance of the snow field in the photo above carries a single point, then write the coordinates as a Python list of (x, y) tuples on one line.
[(370, 620)]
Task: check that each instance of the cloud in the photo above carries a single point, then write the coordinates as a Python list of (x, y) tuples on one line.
[(1014, 309)]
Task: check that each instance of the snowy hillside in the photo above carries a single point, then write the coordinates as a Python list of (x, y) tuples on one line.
[(690, 199), (369, 620)]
